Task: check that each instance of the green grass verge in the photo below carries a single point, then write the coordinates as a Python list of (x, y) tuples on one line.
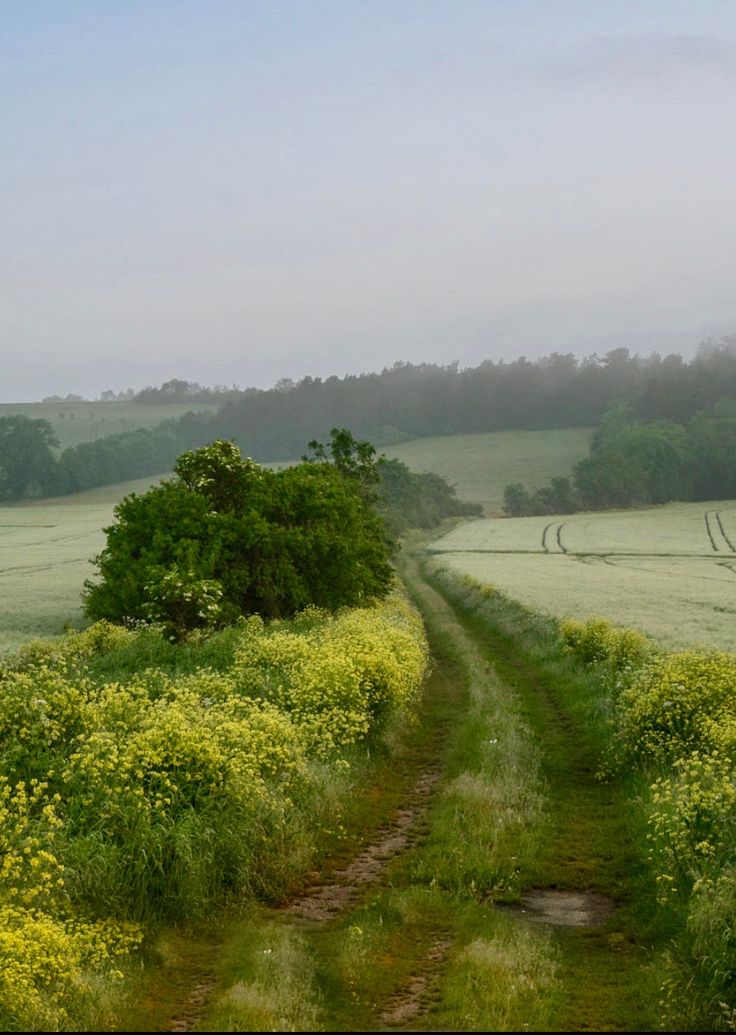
[(518, 805)]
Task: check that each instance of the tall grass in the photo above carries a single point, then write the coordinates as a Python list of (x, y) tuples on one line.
[(142, 782)]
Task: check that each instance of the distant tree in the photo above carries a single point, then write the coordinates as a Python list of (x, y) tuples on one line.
[(517, 501), (27, 464), (407, 499), (559, 497)]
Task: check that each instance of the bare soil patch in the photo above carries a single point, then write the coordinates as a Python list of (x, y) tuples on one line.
[(413, 999), (323, 902)]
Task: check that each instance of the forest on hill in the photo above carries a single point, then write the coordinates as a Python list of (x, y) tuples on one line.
[(634, 462), (402, 402)]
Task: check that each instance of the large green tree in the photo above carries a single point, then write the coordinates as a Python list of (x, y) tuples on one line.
[(238, 538)]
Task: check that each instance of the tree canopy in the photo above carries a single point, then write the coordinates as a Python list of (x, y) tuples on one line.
[(27, 463), (227, 537), (634, 462)]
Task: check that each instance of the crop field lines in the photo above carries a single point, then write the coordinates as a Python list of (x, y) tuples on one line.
[(716, 531), (669, 571)]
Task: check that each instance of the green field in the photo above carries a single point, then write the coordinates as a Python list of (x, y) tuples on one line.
[(669, 571), (45, 551), (75, 422), (482, 465), (45, 546)]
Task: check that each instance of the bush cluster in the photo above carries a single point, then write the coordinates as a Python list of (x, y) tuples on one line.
[(596, 640), (675, 718), (227, 537), (125, 801)]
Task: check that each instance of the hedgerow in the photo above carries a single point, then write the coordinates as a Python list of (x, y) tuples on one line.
[(674, 716), (150, 797), (596, 640)]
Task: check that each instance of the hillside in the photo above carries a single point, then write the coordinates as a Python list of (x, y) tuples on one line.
[(76, 422), (481, 465)]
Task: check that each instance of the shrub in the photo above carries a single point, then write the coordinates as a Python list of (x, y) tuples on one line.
[(679, 703), (596, 640), (227, 537)]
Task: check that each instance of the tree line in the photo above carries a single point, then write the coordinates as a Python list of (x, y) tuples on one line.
[(412, 401), (634, 462), (401, 402), (29, 468)]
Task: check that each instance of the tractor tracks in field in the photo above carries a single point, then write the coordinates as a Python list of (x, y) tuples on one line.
[(552, 538), (719, 538), (729, 541)]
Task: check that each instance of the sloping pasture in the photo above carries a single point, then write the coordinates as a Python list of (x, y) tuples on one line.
[(77, 422), (45, 552), (483, 464), (669, 571)]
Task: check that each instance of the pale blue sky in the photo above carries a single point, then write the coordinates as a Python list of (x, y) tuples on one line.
[(241, 191)]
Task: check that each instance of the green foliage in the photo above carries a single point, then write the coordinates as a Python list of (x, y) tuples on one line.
[(27, 464), (596, 640), (636, 463), (181, 602), (240, 539), (558, 497), (676, 717), (355, 460), (678, 703), (409, 500), (126, 800)]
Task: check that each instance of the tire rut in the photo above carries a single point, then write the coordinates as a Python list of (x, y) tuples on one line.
[(411, 1001), (323, 902), (709, 530), (723, 532), (195, 1006)]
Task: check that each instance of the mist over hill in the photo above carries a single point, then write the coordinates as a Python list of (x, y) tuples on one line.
[(402, 402)]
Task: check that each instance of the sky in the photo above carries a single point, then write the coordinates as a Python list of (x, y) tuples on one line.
[(236, 191)]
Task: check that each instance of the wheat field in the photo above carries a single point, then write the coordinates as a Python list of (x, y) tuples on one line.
[(669, 571)]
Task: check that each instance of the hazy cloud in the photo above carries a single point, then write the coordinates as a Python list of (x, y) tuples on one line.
[(643, 57)]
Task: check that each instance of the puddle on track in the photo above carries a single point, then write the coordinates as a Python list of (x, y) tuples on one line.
[(562, 908)]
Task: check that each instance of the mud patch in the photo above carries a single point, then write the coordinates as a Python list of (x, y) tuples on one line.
[(562, 908), (325, 901), (412, 1000)]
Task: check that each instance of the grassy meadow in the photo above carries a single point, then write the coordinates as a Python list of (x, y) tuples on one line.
[(45, 552), (482, 465), (77, 422), (669, 571)]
